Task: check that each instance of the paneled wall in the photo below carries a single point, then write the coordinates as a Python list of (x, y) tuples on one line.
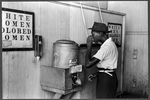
[(21, 70), (136, 44)]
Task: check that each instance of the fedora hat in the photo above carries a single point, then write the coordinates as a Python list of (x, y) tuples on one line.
[(99, 27)]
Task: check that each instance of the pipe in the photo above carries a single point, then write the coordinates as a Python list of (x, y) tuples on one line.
[(90, 8), (100, 12), (83, 19)]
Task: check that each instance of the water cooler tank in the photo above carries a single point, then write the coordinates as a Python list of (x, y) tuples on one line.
[(65, 53)]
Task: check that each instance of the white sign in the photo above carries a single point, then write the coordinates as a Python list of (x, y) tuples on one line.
[(17, 30), (116, 31)]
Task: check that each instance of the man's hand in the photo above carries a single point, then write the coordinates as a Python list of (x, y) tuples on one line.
[(88, 52), (92, 76), (89, 41)]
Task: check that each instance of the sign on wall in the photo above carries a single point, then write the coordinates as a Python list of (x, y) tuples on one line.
[(116, 32), (17, 29)]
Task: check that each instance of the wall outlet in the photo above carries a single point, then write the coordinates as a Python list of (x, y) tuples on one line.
[(135, 53)]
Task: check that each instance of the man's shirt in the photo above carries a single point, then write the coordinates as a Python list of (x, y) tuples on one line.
[(108, 55)]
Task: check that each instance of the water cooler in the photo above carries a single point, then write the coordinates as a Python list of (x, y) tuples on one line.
[(65, 75)]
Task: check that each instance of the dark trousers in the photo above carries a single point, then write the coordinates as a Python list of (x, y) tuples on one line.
[(106, 85)]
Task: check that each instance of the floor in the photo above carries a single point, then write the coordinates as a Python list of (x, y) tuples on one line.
[(127, 95)]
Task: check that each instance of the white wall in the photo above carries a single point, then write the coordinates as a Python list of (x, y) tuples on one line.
[(21, 70), (136, 38)]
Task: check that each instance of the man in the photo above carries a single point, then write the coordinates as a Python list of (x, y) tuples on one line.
[(106, 60)]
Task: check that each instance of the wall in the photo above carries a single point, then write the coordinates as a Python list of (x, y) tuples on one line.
[(136, 42), (21, 70)]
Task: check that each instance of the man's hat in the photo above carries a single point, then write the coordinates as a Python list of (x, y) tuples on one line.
[(99, 27)]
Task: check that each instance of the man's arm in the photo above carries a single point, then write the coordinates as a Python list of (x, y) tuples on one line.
[(89, 61)]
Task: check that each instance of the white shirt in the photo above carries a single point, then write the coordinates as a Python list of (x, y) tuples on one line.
[(108, 55)]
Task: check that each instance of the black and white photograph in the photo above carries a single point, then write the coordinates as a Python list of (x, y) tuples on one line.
[(75, 50)]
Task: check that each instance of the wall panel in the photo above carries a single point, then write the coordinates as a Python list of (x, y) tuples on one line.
[(135, 70), (21, 70), (5, 77)]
